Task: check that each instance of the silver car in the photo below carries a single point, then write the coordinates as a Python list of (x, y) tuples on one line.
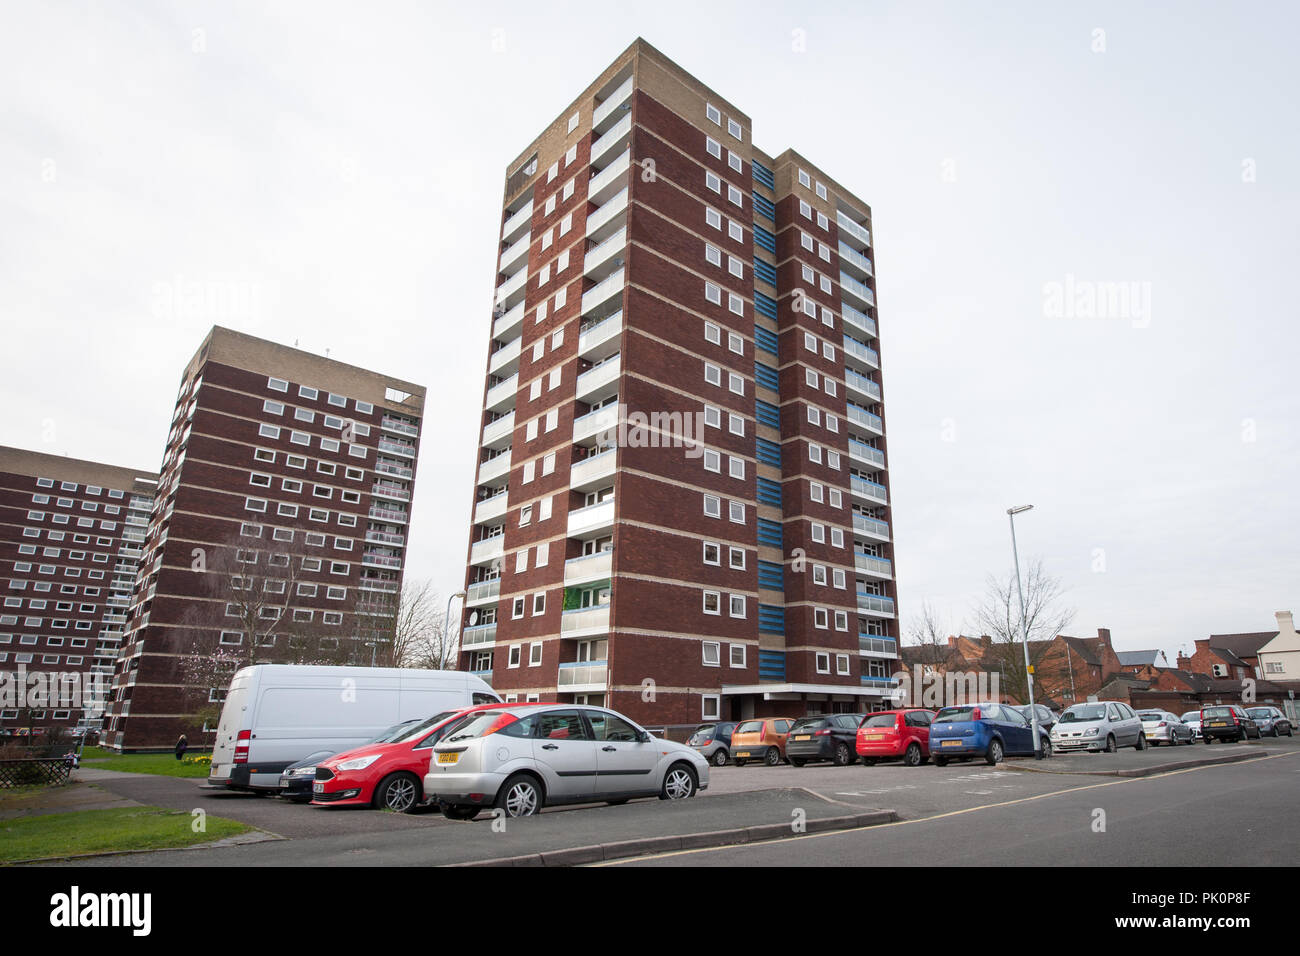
[(1162, 727), (524, 757), (1193, 720), (1098, 725)]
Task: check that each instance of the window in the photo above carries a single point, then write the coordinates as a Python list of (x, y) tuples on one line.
[(268, 431), (735, 129), (712, 254), (515, 654), (712, 374), (735, 303), (277, 385), (735, 196), (819, 621), (735, 383), (735, 162), (712, 460), (306, 391), (304, 415), (712, 416), (842, 664), (805, 179), (815, 490), (712, 333), (842, 624), (736, 606), (534, 653), (254, 504), (713, 146), (736, 467), (713, 217), (821, 191), (737, 511), (712, 506), (735, 267), (836, 498), (713, 293), (736, 558), (710, 706), (837, 534), (712, 181), (735, 424), (712, 553), (713, 114), (711, 653), (735, 230)]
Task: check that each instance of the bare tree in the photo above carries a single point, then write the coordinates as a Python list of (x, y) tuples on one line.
[(406, 627), (1044, 618), (929, 635)]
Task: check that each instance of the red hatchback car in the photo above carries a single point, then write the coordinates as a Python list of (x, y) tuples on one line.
[(888, 734), (388, 776)]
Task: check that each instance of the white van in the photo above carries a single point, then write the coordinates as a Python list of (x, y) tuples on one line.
[(276, 714)]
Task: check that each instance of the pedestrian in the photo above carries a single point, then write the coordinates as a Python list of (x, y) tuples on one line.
[(181, 746)]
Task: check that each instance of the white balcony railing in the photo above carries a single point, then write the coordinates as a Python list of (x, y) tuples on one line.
[(589, 567), (598, 376), (856, 230), (503, 393), (592, 469), (504, 357), (499, 429), (856, 288), (518, 222), (604, 419), (611, 103), (493, 468), (614, 206), (592, 675), (588, 620), (592, 518), (490, 510)]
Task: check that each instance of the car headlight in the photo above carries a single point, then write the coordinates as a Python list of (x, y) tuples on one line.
[(1092, 732), (302, 771), (358, 763)]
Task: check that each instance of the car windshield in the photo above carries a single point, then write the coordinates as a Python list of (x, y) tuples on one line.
[(1260, 712), (808, 723), (1191, 715), (881, 720), (1084, 712), (410, 731), (474, 725)]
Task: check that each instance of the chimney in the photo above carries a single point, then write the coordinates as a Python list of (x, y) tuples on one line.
[(1103, 635), (1184, 662), (1285, 622)]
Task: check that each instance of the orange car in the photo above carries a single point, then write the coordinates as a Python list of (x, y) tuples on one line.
[(762, 738)]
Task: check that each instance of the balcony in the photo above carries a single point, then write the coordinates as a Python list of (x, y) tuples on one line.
[(883, 683), (391, 446), (494, 468), (490, 510), (382, 489), (606, 220), (516, 225), (873, 566), (378, 584), (585, 677), (397, 471), (588, 568), (386, 537), (591, 382), (369, 559), (593, 472), (604, 115), (505, 360), (602, 292), (856, 230), (509, 324), (511, 255), (616, 139), (855, 262), (487, 550), (479, 637), (856, 289), (607, 183), (875, 605), (865, 387), (601, 261), (497, 434), (592, 521), (861, 451), (870, 646), (501, 396), (868, 420), (872, 528), (585, 622), (602, 421), (858, 320), (855, 351), (483, 592), (601, 339), (871, 490), (383, 513), (511, 292)]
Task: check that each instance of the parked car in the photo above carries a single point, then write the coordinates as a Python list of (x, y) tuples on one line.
[(1193, 721), (713, 741), (388, 775), (987, 730), (889, 734), (830, 737), (296, 779), (763, 738), (277, 714), (1162, 727), (1098, 725), (1227, 722), (1047, 717), (523, 757), (1271, 721)]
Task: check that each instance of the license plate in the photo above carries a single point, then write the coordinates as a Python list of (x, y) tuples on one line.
[(448, 758), (216, 771), (318, 788), (743, 754), (803, 737), (872, 736), (1216, 723), (950, 743)]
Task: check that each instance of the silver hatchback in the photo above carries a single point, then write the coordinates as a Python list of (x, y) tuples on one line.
[(522, 758), (1098, 725)]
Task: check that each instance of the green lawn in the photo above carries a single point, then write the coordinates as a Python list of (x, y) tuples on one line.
[(165, 765), (100, 831)]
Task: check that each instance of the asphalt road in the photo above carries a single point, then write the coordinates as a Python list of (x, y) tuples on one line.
[(1240, 814)]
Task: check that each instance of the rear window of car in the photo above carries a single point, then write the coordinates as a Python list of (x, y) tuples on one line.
[(750, 727), (1217, 712), (809, 723), (1151, 715), (1191, 715), (881, 720), (950, 715)]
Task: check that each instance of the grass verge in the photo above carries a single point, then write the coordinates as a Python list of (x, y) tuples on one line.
[(163, 765), (103, 831)]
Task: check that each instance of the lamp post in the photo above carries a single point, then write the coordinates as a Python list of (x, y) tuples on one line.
[(446, 626), (1024, 627)]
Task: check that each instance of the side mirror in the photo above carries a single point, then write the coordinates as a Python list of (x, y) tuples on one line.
[(645, 737)]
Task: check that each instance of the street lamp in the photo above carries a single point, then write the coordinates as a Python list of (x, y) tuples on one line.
[(446, 626), (1024, 626)]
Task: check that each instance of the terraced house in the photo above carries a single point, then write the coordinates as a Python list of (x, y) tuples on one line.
[(682, 495), (277, 532)]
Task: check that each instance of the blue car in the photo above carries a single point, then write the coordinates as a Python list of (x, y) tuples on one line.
[(987, 730)]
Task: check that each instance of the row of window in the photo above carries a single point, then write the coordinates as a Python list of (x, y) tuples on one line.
[(734, 129), (269, 456), (249, 530), (806, 181), (272, 407), (56, 518), (312, 394), (27, 640), (294, 486), (93, 490), (812, 245), (68, 503), (11, 620), (45, 586), (303, 438), (713, 294), (285, 510), (714, 219), (713, 604), (281, 559), (713, 376), (45, 659), (40, 604), (713, 183), (713, 509)]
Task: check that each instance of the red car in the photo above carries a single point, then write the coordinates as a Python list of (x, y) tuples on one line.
[(887, 734), (388, 776)]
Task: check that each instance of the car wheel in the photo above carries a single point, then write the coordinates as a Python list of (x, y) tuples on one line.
[(1110, 744), (940, 761), (912, 758), (797, 761), (1276, 733), (1141, 742), (868, 761), (1288, 731), (1045, 747), (521, 796), (843, 756), (399, 792), (994, 755), (740, 763), (719, 758), (1206, 739), (459, 813), (773, 757), (679, 783)]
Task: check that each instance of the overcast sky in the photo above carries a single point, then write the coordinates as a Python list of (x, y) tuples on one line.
[(331, 173)]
